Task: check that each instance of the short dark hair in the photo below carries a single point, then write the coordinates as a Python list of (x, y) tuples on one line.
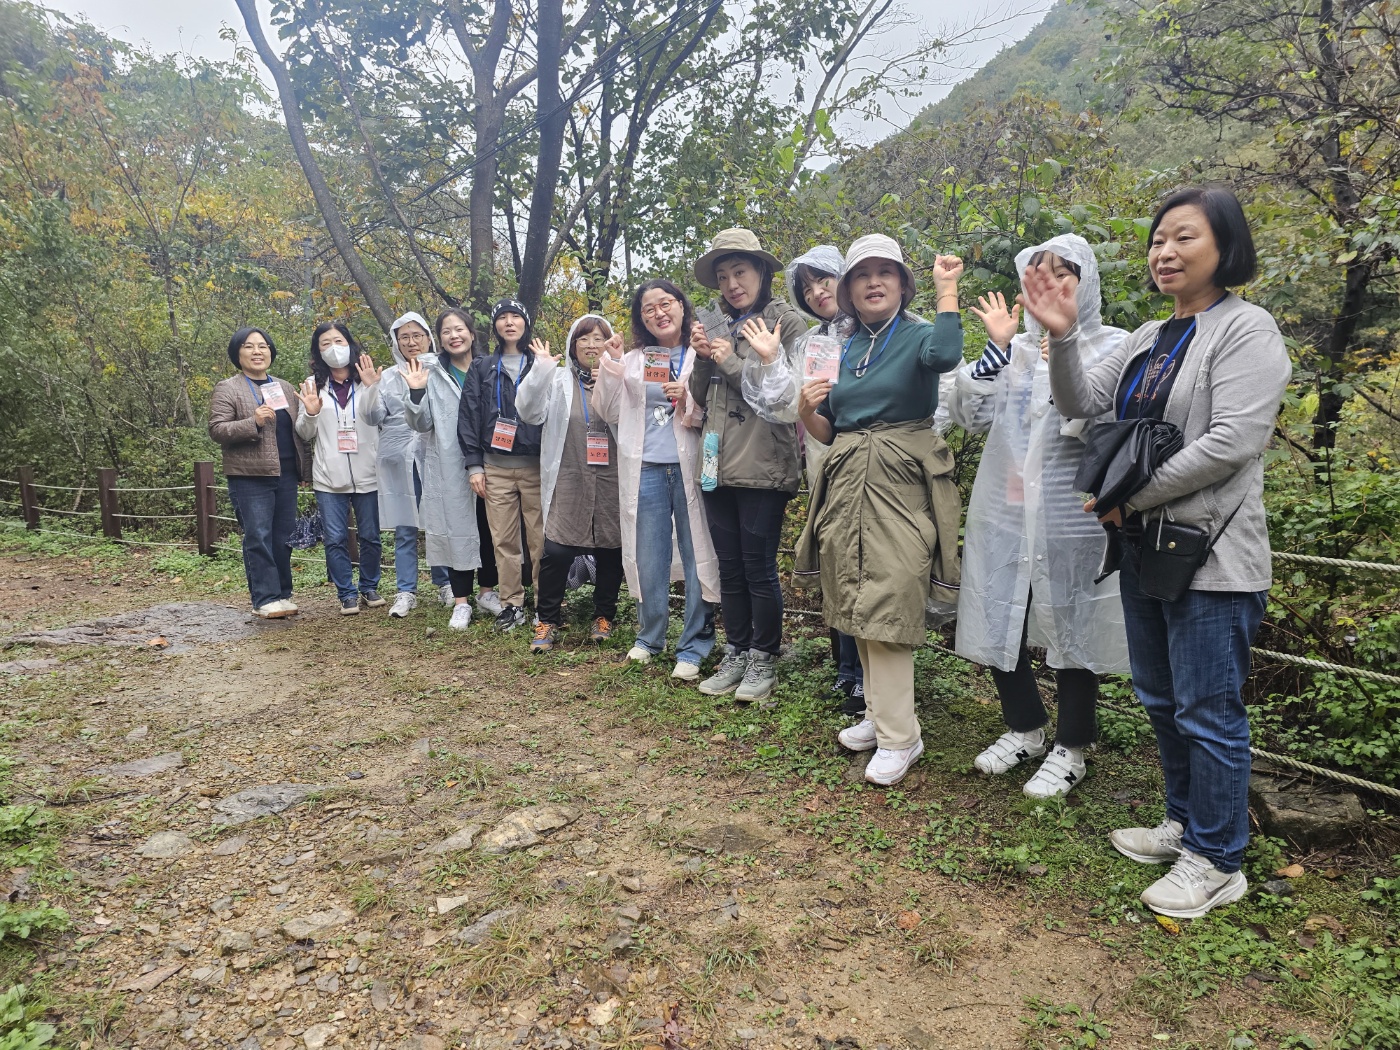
[(1041, 256), (319, 368), (641, 334), (240, 337), (1239, 262), (586, 325), (461, 315), (765, 289)]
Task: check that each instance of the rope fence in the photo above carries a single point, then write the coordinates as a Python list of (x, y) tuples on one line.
[(1339, 563)]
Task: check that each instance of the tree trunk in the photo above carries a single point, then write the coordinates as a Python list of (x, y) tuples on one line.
[(325, 203), (1333, 366), (553, 122)]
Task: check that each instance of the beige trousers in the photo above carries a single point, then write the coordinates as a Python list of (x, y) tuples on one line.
[(510, 493), (889, 692)]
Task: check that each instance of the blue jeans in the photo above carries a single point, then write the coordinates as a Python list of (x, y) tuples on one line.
[(406, 551), (660, 503), (267, 510), (848, 666), (335, 528), (1190, 659)]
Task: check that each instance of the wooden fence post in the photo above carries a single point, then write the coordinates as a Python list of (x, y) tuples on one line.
[(107, 502), (206, 532), (29, 503)]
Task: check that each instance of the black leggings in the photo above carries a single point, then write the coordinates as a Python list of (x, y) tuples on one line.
[(1024, 711), (462, 580), (554, 577), (745, 525)]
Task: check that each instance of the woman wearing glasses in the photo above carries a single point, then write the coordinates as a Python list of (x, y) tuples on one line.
[(642, 394)]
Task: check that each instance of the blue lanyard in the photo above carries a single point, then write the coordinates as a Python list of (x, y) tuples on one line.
[(679, 367), (498, 379), (862, 369), (583, 393), (1151, 391), (336, 402), (254, 388)]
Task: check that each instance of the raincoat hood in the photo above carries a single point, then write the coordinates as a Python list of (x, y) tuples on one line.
[(580, 369), (1072, 248), (825, 257), (419, 320)]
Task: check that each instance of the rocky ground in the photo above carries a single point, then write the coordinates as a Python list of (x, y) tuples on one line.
[(328, 831)]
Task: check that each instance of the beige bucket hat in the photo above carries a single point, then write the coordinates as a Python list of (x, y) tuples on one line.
[(873, 246), (730, 242)]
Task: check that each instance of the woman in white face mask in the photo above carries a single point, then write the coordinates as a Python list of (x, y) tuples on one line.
[(342, 417)]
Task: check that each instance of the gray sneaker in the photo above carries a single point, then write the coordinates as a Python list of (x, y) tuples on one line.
[(728, 674), (759, 679), (488, 601), (1159, 845)]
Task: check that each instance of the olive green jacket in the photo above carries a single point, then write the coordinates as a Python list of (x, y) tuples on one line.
[(882, 531)]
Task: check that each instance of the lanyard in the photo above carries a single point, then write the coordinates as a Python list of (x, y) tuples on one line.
[(679, 366), (498, 379), (583, 393), (254, 388), (336, 403), (864, 367), (1151, 391)]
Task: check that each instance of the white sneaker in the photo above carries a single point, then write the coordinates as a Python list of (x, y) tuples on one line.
[(404, 603), (273, 610), (1010, 750), (290, 606), (445, 594), (859, 737), (1058, 774), (489, 602), (638, 655), (685, 671), (461, 617), (889, 767), (1193, 887), (1159, 845)]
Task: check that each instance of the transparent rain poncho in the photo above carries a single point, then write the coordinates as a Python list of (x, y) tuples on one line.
[(400, 448), (1028, 541)]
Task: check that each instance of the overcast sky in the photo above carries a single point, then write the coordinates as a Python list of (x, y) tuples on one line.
[(179, 25)]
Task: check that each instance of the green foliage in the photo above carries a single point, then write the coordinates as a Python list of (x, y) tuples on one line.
[(18, 1031)]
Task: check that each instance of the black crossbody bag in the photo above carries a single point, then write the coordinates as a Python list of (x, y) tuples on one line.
[(1172, 554)]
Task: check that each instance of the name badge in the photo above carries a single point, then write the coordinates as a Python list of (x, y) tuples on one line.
[(658, 367), (503, 437), (274, 397), (598, 450), (347, 441)]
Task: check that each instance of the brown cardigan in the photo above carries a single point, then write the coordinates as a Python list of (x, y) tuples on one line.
[(251, 450)]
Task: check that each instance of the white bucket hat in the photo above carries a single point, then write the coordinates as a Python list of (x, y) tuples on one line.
[(873, 246)]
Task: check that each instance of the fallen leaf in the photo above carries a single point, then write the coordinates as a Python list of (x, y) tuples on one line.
[(1313, 923), (1293, 871), (1169, 924), (450, 783), (1307, 941), (1331, 874), (149, 981), (907, 920), (158, 642), (602, 1014), (812, 804)]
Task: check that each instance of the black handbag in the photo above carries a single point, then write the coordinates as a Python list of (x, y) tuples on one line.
[(1120, 457), (1172, 554)]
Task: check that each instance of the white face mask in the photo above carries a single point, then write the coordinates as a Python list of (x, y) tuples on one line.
[(337, 356)]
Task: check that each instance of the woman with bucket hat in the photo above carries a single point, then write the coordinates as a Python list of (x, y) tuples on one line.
[(749, 465), (882, 529)]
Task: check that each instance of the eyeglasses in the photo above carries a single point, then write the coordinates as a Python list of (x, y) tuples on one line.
[(661, 307), (411, 337)]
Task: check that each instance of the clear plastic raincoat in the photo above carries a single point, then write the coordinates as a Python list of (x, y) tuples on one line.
[(449, 506), (1028, 540), (400, 447)]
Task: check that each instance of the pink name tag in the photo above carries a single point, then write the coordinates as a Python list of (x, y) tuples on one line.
[(598, 450), (503, 437)]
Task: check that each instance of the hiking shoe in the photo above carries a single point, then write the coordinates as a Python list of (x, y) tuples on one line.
[(685, 671), (759, 678), (445, 594), (854, 704), (1159, 845), (489, 602), (1010, 750), (638, 655), (404, 603), (350, 606), (1193, 887), (544, 639), (461, 617), (602, 629), (290, 606), (843, 686), (372, 599), (728, 674), (1058, 774), (858, 737), (890, 767), (511, 617), (273, 610)]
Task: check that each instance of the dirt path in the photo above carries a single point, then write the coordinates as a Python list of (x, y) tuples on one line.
[(652, 893)]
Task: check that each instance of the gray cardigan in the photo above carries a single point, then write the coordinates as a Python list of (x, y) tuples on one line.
[(1225, 399)]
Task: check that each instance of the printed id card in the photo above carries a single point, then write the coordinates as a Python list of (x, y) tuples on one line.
[(658, 367), (597, 450), (503, 437), (347, 440), (274, 397)]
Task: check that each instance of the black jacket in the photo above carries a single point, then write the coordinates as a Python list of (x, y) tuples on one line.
[(477, 415)]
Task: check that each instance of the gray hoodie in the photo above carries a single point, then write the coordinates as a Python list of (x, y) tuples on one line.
[(1225, 399)]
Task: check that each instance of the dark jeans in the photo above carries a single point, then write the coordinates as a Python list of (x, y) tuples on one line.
[(335, 530), (848, 666), (266, 509), (1023, 710), (554, 575), (463, 580), (745, 525), (1190, 659)]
